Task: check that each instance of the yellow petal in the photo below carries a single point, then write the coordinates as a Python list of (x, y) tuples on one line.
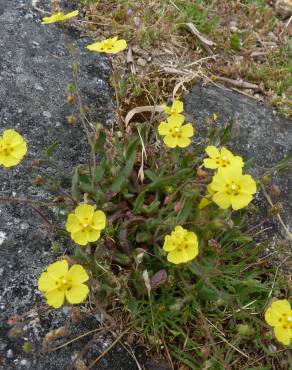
[(212, 151), (58, 269), (19, 150), (179, 230), (70, 15), (240, 201), (178, 106), (237, 161), (77, 293), (177, 257), (12, 137), (46, 282), (187, 130), (9, 161), (93, 235), (192, 251), (59, 17), (204, 203), (80, 237), (272, 317), (78, 274), (163, 128), (176, 121), (170, 141), (226, 153), (84, 212), (73, 224), (247, 184), (222, 200), (119, 45), (210, 163), (283, 335), (55, 298), (166, 109), (96, 46), (169, 244), (281, 306), (98, 220), (183, 142)]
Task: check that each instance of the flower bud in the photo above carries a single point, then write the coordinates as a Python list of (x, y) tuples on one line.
[(70, 99), (71, 119), (177, 206), (245, 330), (169, 189), (201, 173)]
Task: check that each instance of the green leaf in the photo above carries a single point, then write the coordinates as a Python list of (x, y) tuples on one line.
[(152, 207), (168, 180), (139, 201), (51, 149), (99, 143), (74, 185), (186, 210), (143, 237), (100, 170), (151, 175), (127, 169), (131, 148)]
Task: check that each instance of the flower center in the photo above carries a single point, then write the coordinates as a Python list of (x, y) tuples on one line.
[(6, 149), (232, 189), (175, 132), (64, 283)]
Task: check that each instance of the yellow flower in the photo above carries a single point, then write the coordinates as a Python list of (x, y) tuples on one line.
[(58, 282), (175, 110), (111, 46), (279, 315), (181, 245), (175, 134), (232, 188), (86, 224), (12, 148), (223, 159), (59, 17)]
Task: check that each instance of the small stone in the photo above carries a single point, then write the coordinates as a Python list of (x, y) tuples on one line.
[(37, 86), (141, 62), (233, 26), (24, 362), (47, 114), (284, 8), (9, 353), (24, 226)]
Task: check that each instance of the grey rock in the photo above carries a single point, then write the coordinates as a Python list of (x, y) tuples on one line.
[(258, 132), (36, 67)]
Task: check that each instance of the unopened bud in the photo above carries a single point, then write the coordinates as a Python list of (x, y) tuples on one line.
[(169, 189), (275, 190), (177, 206), (167, 200), (70, 99), (71, 120), (201, 173)]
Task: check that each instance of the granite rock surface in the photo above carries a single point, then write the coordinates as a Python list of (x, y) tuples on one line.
[(36, 66)]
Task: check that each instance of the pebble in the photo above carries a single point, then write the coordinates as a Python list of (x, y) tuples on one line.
[(47, 114), (141, 62), (9, 353)]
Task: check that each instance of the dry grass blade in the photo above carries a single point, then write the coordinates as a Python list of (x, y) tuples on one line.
[(240, 84), (207, 44), (143, 109)]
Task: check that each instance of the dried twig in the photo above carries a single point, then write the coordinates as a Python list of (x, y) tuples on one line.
[(239, 84)]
